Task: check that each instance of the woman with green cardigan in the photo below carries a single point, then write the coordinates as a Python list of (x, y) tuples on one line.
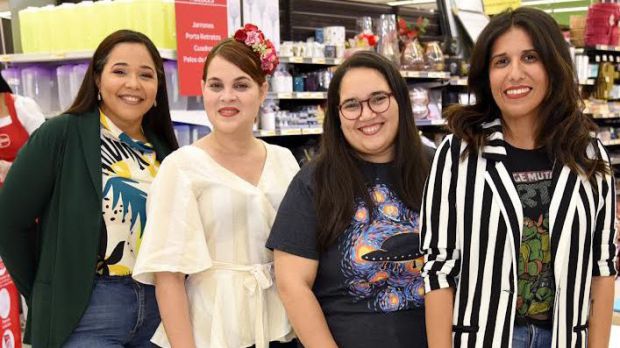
[(72, 209)]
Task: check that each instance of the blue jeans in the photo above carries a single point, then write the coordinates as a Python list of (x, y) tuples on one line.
[(122, 313), (531, 336)]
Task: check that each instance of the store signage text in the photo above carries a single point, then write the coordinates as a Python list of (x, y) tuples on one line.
[(200, 25)]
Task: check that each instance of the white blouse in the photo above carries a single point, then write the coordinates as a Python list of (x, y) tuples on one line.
[(209, 223)]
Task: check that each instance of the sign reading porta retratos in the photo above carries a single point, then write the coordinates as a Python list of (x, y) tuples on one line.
[(201, 24)]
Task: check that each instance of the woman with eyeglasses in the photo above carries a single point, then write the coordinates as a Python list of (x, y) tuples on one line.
[(345, 239)]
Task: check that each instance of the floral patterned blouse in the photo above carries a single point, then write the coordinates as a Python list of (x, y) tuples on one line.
[(128, 168)]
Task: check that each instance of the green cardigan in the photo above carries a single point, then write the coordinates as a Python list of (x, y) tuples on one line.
[(56, 179)]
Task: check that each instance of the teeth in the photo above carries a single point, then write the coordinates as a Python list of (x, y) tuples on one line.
[(370, 129), (228, 112), (130, 99), (517, 91)]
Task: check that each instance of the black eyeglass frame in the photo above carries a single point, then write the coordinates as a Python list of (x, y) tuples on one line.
[(367, 101)]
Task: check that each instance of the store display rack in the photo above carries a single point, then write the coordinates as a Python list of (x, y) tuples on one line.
[(197, 117), (65, 56)]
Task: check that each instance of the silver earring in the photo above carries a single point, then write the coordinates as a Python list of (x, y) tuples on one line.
[(99, 96), (155, 103)]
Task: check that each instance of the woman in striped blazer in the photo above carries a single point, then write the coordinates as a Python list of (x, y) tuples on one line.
[(518, 211)]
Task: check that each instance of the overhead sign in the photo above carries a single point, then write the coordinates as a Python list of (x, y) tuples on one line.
[(200, 25)]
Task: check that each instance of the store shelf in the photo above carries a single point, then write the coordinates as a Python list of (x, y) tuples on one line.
[(610, 115), (612, 142), (604, 48), (427, 123), (62, 56), (614, 160), (317, 61), (458, 81), (288, 132), (297, 95), (195, 117), (425, 74)]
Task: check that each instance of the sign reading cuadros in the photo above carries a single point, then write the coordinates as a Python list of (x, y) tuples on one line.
[(200, 25), (492, 7)]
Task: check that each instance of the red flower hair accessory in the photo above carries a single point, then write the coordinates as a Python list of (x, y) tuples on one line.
[(253, 37)]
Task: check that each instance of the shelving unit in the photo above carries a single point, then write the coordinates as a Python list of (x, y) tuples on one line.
[(425, 74), (610, 115), (65, 56), (316, 61), (199, 118), (297, 95)]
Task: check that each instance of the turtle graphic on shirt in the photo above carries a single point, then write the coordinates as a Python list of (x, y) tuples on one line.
[(381, 261)]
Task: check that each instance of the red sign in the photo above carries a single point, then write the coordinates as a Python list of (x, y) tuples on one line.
[(201, 24), (10, 331)]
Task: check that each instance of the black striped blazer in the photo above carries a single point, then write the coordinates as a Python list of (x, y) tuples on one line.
[(471, 225)]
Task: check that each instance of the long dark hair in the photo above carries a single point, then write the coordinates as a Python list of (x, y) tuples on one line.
[(338, 179), (564, 131), (157, 119)]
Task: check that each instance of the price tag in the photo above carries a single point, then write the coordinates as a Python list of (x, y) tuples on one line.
[(296, 59), (318, 60), (287, 95), (290, 131), (312, 131), (267, 133)]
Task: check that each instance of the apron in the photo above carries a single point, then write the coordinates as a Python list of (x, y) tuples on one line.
[(12, 136)]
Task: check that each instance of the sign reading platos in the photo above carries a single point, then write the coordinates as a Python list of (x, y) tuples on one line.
[(201, 24), (492, 7)]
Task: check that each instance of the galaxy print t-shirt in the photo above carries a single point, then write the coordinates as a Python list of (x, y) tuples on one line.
[(368, 283)]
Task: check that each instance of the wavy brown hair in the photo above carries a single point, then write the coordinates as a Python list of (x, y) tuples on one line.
[(339, 181), (564, 131)]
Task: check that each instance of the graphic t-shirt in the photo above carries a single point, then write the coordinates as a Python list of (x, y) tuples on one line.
[(368, 282), (532, 173)]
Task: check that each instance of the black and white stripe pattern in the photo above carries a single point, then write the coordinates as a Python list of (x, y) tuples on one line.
[(471, 225)]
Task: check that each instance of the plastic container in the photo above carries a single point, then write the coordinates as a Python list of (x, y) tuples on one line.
[(77, 76), (149, 19), (65, 21), (13, 78), (175, 100), (40, 84), (198, 132), (28, 29), (89, 32), (121, 15), (108, 21), (63, 78), (45, 25), (170, 29), (183, 133)]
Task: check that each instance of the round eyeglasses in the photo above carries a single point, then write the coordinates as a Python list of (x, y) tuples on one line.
[(378, 102)]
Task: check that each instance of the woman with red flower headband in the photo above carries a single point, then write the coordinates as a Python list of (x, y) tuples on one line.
[(213, 204)]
